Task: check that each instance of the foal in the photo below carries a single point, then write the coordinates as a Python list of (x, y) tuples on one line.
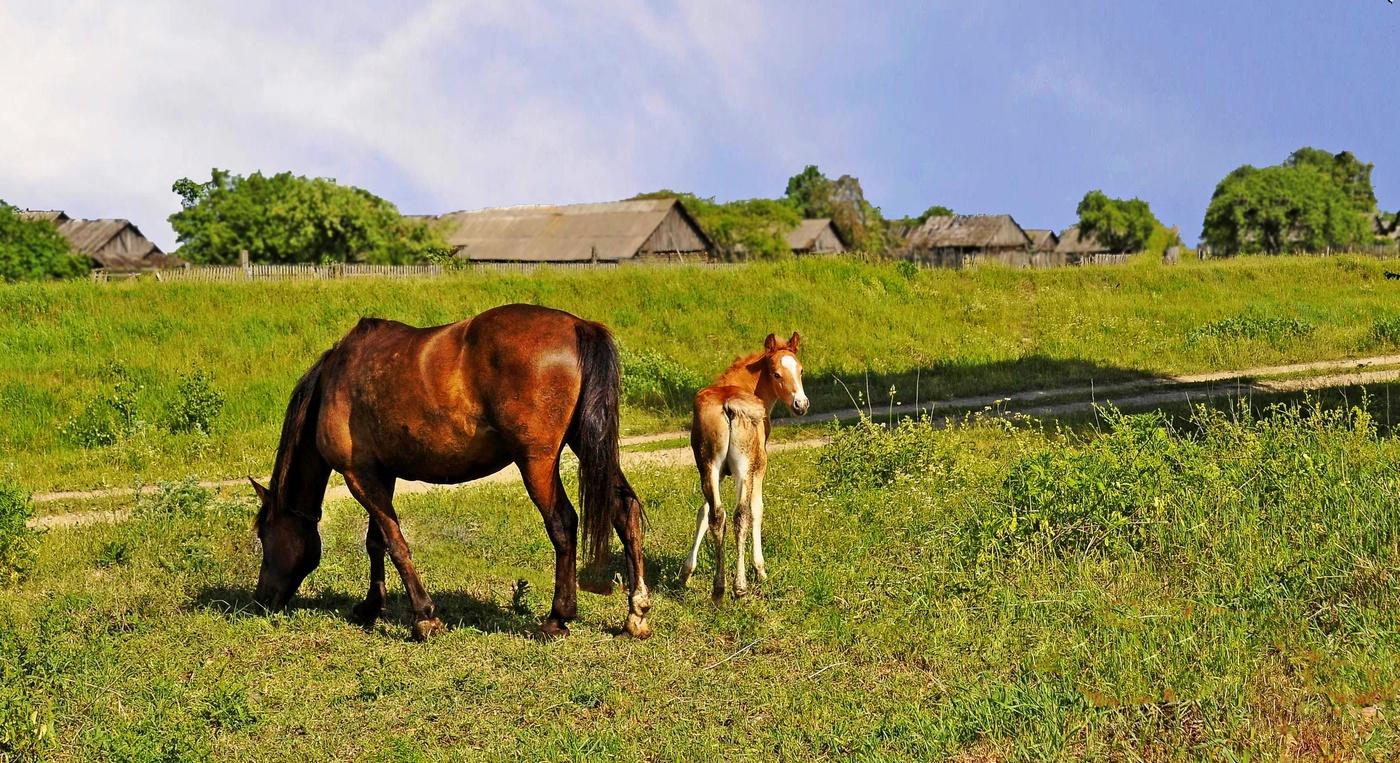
[(729, 436)]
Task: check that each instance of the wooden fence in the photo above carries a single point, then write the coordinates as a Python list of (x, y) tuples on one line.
[(230, 273)]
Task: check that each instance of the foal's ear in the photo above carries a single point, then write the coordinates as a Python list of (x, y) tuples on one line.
[(259, 489), (770, 344), (794, 341)]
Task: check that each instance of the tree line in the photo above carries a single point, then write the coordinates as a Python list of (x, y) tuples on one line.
[(1312, 201)]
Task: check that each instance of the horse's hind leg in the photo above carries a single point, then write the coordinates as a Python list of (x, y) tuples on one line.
[(709, 487), (367, 611), (561, 523), (716, 527), (628, 523), (743, 516), (757, 471), (378, 498)]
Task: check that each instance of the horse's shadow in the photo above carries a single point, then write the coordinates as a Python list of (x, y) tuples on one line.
[(456, 609)]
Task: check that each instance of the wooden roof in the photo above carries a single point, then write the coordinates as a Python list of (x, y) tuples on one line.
[(969, 232), (606, 232)]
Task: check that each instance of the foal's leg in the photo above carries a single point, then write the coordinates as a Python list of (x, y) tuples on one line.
[(561, 523), (709, 486), (758, 470), (743, 486), (628, 523), (711, 489), (367, 611), (377, 497)]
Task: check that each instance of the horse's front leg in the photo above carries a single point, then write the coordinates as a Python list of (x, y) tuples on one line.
[(367, 611), (561, 523), (376, 494)]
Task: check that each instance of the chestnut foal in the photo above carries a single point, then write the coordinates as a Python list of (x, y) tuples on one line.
[(729, 436)]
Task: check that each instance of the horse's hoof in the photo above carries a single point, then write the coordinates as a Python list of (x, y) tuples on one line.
[(762, 575), (551, 630), (426, 629), (364, 614), (636, 627), (741, 591), (685, 578), (717, 594)]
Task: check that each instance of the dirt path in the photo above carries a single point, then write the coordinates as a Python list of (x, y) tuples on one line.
[(1137, 394)]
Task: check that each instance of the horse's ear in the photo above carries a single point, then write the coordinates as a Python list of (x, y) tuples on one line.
[(259, 489), (795, 341), (770, 344)]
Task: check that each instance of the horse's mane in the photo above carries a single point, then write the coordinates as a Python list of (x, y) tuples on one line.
[(304, 397), (741, 363)]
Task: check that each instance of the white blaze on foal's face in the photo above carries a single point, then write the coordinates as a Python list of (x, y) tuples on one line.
[(790, 383)]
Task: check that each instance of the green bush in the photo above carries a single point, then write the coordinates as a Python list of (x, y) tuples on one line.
[(1273, 329), (196, 405), (1384, 331), (108, 417), (869, 455), (650, 379), (32, 250), (16, 538)]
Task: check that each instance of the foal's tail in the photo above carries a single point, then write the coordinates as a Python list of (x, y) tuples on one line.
[(746, 415), (603, 489)]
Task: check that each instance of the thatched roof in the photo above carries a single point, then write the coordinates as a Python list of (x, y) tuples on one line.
[(1042, 239), (113, 244), (815, 235), (606, 232), (1072, 243), (969, 232)]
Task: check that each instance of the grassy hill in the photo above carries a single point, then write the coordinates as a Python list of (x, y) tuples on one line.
[(870, 326)]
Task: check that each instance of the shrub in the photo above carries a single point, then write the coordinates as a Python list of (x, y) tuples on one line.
[(197, 404), (16, 539), (181, 499), (1275, 330), (108, 417), (869, 455), (1385, 331), (650, 379), (33, 249)]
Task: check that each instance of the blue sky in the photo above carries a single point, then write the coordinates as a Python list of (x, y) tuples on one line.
[(984, 107)]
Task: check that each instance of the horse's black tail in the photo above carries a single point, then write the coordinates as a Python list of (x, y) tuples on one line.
[(602, 487)]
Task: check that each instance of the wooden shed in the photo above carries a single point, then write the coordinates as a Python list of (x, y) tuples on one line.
[(960, 240), (1042, 239), (110, 244), (618, 231), (1079, 249), (816, 236)]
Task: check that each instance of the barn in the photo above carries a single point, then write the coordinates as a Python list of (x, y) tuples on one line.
[(960, 240), (609, 232), (1042, 239), (816, 236), (110, 244), (1085, 250)]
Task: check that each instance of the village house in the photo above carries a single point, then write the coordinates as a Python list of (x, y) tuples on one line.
[(817, 236), (957, 241), (112, 244), (609, 232)]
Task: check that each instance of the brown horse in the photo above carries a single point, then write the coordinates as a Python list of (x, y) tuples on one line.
[(445, 405), (729, 436)]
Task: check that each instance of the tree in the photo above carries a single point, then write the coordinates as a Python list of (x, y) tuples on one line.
[(1285, 208), (32, 250), (1122, 225), (748, 229), (1350, 174), (290, 218), (843, 201)]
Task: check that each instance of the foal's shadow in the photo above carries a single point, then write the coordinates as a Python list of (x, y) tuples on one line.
[(456, 609)]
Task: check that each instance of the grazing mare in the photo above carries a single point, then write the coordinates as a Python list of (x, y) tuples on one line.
[(729, 436), (445, 405)]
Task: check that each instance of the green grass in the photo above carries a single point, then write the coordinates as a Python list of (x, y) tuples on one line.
[(1223, 589), (930, 334)]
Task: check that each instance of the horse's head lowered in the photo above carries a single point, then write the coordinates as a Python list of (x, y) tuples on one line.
[(783, 371), (291, 549)]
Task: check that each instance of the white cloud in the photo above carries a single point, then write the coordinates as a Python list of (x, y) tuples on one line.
[(439, 106)]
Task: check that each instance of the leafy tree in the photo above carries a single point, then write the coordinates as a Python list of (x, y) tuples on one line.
[(1350, 174), (937, 210), (1286, 208), (32, 250), (290, 218), (752, 228), (1122, 225), (842, 200)]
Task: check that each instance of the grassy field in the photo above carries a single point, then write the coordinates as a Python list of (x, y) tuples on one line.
[(1222, 589), (113, 355)]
